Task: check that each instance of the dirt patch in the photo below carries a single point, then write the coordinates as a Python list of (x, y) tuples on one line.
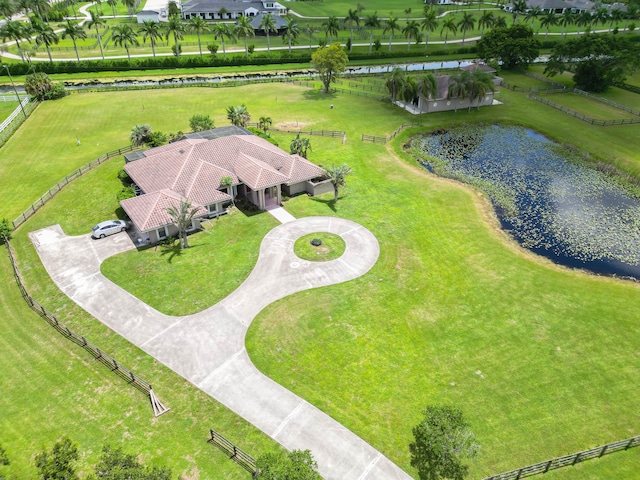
[(292, 126)]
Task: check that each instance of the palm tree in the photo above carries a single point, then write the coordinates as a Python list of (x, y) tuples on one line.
[(391, 26), (291, 32), (131, 6), (264, 123), (458, 86), (139, 134), (331, 28), (198, 25), (245, 30), (533, 14), (15, 30), (222, 31), (501, 22), (151, 30), (177, 28), (395, 81), (567, 18), (310, 29), (351, 18), (96, 22), (449, 25), (222, 12), (486, 20), (410, 89), (411, 30), (7, 8), (583, 19), (45, 36), (548, 20), (428, 86), (268, 24), (124, 36), (338, 175), (40, 7), (371, 21), (466, 23), (519, 7), (238, 116), (601, 15), (74, 32), (479, 83), (429, 24), (182, 217), (113, 4), (615, 16), (300, 146)]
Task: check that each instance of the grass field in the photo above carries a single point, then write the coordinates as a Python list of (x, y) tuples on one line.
[(589, 106), (449, 297), (7, 108)]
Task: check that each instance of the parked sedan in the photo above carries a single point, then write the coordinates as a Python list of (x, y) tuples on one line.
[(109, 227)]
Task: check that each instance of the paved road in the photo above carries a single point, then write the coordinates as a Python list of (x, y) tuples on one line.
[(208, 348)]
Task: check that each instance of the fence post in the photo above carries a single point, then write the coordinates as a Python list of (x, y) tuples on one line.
[(629, 444), (604, 449), (546, 469), (575, 460)]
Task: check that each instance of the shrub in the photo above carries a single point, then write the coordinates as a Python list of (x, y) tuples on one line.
[(251, 48), (5, 230), (199, 123), (213, 48), (155, 139), (126, 192), (261, 134), (124, 178)]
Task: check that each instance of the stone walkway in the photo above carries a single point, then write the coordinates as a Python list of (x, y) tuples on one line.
[(208, 348)]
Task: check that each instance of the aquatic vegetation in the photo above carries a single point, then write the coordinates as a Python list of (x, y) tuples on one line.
[(545, 195)]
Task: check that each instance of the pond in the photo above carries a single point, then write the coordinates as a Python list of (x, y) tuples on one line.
[(544, 195)]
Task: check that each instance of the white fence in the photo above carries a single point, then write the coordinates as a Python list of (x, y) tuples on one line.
[(16, 112), (10, 98)]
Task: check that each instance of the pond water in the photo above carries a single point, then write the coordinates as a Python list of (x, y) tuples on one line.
[(572, 214)]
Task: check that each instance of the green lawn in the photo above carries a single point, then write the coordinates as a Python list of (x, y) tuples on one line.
[(540, 359), (589, 106), (7, 108), (227, 250)]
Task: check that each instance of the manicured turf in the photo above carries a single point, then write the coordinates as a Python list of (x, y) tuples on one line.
[(227, 250), (7, 108), (331, 247), (589, 106), (448, 298)]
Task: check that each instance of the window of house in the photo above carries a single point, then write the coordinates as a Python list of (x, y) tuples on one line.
[(162, 233)]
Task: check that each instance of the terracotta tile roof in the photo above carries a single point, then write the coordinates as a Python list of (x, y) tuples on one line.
[(150, 211), (194, 167)]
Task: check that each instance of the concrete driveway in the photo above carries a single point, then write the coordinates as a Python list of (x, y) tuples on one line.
[(208, 348)]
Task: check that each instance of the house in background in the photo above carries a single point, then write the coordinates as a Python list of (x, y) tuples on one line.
[(192, 168), (155, 10), (230, 9), (574, 6)]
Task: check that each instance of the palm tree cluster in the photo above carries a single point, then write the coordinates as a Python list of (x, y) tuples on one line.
[(238, 115), (409, 88), (472, 85)]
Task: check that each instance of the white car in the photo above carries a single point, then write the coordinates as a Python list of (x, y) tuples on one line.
[(109, 227)]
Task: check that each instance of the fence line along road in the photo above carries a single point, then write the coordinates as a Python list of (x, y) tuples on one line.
[(567, 460), (29, 212), (104, 358), (584, 118), (235, 453)]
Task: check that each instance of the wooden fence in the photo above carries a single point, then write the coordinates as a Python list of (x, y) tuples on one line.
[(567, 460), (104, 358), (584, 118), (633, 111), (24, 216), (626, 86), (18, 111), (235, 453), (388, 138)]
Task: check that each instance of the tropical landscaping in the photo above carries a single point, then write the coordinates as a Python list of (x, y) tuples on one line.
[(538, 357)]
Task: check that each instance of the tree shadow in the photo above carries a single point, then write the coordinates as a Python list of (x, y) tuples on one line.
[(171, 249), (329, 203), (319, 95)]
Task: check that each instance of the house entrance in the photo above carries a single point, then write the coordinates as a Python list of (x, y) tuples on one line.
[(270, 197)]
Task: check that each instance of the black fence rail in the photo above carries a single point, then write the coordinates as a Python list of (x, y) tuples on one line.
[(29, 212), (628, 87), (235, 453), (542, 78), (567, 460), (388, 138), (539, 89), (358, 93), (104, 358), (582, 93), (585, 118), (316, 133)]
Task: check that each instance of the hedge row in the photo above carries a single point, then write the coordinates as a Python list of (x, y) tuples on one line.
[(194, 61)]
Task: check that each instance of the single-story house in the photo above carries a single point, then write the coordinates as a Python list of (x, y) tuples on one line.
[(440, 101), (230, 9), (192, 168), (155, 10)]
